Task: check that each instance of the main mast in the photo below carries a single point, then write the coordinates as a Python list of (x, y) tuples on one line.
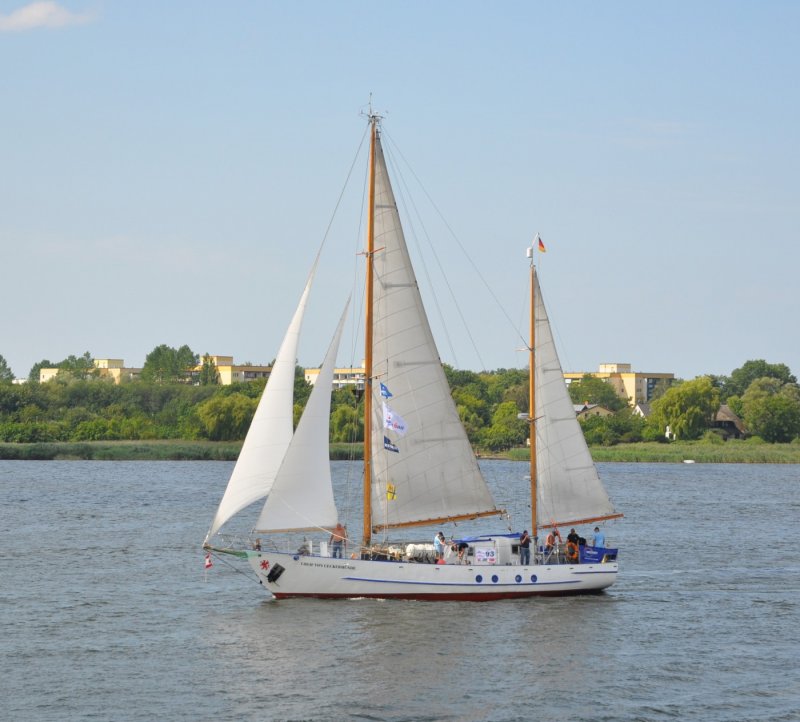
[(367, 535)]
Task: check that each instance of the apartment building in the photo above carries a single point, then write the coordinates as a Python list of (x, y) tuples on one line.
[(636, 387)]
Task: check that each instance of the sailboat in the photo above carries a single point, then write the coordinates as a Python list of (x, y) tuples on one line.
[(419, 467)]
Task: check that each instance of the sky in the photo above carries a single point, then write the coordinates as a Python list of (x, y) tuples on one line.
[(169, 170)]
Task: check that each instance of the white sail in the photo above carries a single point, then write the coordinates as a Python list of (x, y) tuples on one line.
[(302, 495), (270, 431), (431, 467), (569, 489)]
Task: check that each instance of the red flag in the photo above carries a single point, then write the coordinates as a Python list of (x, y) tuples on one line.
[(542, 249), (209, 563)]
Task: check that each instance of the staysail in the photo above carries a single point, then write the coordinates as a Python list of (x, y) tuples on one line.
[(569, 489), (302, 495), (270, 431), (423, 467)]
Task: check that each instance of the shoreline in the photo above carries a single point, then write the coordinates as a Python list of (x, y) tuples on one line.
[(731, 452)]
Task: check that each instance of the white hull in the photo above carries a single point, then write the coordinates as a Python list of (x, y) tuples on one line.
[(326, 577)]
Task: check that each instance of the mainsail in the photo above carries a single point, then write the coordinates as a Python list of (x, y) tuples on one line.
[(270, 431), (429, 473), (302, 495), (569, 490)]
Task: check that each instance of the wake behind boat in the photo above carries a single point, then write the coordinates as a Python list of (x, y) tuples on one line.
[(419, 468)]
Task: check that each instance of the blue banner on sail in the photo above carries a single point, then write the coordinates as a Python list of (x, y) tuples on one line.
[(389, 446), (385, 391)]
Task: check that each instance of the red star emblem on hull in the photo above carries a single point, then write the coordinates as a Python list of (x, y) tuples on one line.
[(265, 564)]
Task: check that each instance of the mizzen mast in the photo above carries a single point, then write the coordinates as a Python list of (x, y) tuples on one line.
[(532, 396)]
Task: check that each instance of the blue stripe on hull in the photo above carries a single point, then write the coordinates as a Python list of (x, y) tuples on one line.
[(516, 585), (449, 597)]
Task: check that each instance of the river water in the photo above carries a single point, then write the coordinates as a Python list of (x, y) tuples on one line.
[(106, 612)]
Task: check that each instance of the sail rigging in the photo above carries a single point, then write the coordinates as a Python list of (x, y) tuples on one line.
[(432, 470), (419, 467)]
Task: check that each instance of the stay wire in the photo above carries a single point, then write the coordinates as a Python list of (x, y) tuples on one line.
[(237, 569), (408, 202), (462, 248)]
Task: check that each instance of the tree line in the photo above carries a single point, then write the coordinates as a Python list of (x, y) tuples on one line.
[(173, 400), (765, 396)]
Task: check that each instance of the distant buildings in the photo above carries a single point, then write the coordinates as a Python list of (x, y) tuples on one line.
[(109, 368), (636, 387), (584, 411), (342, 378), (230, 373), (115, 370)]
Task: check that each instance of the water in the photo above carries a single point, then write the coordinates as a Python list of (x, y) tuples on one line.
[(106, 612)]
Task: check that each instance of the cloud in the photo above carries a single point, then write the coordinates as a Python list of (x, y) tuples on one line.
[(42, 14)]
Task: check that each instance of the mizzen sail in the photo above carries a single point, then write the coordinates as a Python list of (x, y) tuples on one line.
[(569, 489)]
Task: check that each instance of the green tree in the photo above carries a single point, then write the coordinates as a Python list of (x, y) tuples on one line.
[(593, 390), (302, 389), (33, 374), (473, 412), (226, 418), (519, 394), (457, 378), (209, 376), (499, 383), (507, 429), (6, 374), (347, 425), (688, 408), (623, 427), (78, 366), (741, 378), (771, 409), (473, 405), (164, 364)]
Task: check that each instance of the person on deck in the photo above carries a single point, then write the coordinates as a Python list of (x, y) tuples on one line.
[(573, 536), (599, 539), (524, 548), (439, 545), (337, 539), (572, 550), (550, 542)]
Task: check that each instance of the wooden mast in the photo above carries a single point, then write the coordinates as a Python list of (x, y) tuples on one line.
[(367, 535), (532, 399)]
